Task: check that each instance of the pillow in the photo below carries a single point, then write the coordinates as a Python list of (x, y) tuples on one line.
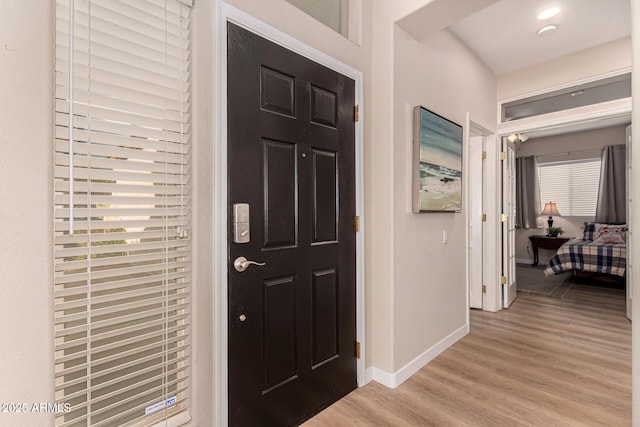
[(610, 234), (589, 230)]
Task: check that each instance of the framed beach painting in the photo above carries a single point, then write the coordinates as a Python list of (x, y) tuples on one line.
[(437, 163)]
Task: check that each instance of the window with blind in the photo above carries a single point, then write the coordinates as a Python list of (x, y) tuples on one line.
[(122, 212), (572, 185)]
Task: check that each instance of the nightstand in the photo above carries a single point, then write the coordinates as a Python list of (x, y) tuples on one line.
[(546, 242)]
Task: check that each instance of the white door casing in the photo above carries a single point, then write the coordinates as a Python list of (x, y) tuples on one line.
[(508, 223), (629, 278), (225, 13), (475, 221), (557, 120), (478, 139), (491, 241)]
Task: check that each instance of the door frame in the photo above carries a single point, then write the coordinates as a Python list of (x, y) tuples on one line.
[(629, 177), (560, 119), (508, 196), (473, 129), (227, 13)]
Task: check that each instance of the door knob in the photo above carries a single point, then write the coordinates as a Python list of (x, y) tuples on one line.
[(241, 263)]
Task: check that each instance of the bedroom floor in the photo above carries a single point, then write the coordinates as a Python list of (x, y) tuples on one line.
[(532, 280), (544, 361)]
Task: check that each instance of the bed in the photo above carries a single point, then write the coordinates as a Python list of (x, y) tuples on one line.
[(602, 249)]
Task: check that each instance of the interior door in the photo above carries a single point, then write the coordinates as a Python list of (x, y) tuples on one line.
[(509, 287), (475, 222), (291, 192), (629, 277)]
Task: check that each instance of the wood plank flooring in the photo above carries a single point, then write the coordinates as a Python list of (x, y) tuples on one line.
[(542, 362)]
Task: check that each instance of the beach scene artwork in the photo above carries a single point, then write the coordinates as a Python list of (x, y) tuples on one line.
[(438, 164)]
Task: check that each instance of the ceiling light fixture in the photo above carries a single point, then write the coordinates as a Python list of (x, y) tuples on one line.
[(548, 13), (520, 137), (547, 29)]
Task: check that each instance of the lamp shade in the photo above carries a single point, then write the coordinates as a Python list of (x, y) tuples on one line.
[(550, 209)]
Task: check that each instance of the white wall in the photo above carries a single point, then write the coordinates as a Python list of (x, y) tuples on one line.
[(587, 64), (380, 166), (203, 355), (430, 302), (287, 18), (326, 11), (571, 146), (26, 236)]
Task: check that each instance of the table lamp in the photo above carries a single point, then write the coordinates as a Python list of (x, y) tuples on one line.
[(550, 209)]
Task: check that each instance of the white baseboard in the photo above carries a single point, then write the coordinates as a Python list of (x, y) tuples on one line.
[(368, 375), (395, 379), (524, 261)]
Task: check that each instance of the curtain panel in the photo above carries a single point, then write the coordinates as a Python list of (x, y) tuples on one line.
[(527, 192), (612, 205)]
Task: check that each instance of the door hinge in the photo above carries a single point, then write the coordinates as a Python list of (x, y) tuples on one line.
[(356, 113), (484, 289), (356, 223), (357, 349), (503, 155), (503, 280), (503, 217), (484, 155), (484, 217)]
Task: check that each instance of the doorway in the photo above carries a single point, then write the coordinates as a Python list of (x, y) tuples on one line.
[(228, 13), (292, 245), (557, 144), (508, 229)]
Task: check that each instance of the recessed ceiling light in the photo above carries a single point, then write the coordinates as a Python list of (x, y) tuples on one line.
[(548, 13), (547, 29)]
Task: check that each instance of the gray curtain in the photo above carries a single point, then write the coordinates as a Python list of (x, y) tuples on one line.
[(612, 197), (527, 192)]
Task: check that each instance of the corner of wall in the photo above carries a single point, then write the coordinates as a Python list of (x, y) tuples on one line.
[(429, 283), (203, 73), (393, 380), (379, 197)]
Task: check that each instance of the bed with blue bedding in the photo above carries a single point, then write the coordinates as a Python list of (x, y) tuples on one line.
[(602, 249)]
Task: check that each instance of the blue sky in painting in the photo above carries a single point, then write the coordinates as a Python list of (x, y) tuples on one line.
[(440, 135)]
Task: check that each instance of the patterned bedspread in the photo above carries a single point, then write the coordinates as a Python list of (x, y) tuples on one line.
[(585, 255)]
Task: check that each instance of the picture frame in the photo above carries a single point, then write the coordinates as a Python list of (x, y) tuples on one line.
[(437, 163)]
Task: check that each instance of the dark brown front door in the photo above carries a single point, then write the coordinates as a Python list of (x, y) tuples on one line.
[(291, 157)]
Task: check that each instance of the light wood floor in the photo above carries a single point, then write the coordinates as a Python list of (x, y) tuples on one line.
[(542, 362)]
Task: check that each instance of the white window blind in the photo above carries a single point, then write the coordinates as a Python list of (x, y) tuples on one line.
[(572, 185), (122, 212)]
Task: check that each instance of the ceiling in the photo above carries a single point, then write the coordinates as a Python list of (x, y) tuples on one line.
[(504, 35)]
